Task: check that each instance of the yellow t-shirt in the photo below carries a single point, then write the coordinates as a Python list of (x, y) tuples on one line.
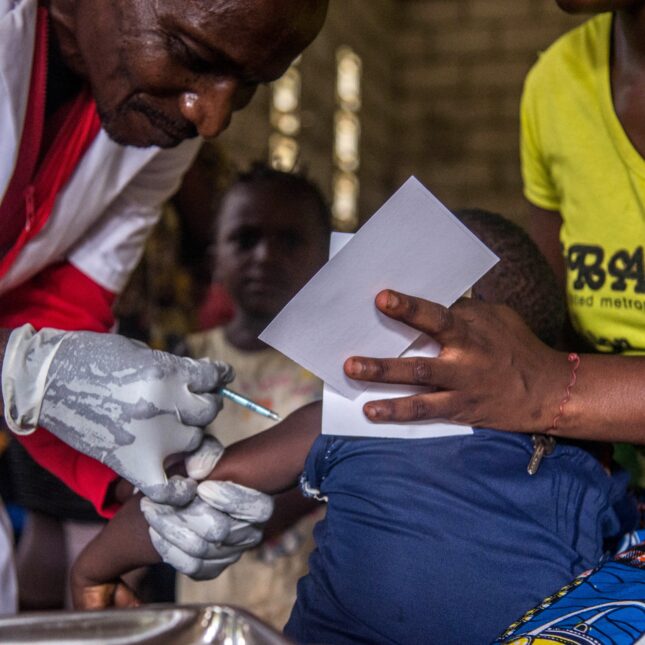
[(578, 160)]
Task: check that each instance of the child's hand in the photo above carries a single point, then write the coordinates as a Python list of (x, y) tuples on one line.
[(94, 579), (104, 596)]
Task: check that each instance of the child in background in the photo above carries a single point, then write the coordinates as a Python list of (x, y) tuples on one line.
[(272, 234), (433, 540)]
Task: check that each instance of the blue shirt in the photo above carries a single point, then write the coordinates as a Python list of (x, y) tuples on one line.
[(445, 540)]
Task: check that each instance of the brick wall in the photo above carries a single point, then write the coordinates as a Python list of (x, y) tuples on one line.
[(366, 26), (441, 87), (463, 63)]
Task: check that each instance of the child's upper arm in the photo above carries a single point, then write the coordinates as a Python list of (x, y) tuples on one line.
[(273, 460)]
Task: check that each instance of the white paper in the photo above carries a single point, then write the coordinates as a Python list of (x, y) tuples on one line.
[(412, 244), (343, 416)]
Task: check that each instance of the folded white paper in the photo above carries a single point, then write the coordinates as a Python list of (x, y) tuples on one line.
[(412, 244), (343, 416)]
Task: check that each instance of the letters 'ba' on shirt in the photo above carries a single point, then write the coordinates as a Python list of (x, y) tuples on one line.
[(578, 160)]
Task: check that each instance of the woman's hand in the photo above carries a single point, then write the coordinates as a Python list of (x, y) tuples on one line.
[(491, 372)]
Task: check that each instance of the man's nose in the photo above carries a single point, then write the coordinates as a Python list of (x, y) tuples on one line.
[(210, 108)]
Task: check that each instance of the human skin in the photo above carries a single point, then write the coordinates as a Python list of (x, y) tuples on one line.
[(270, 461), (492, 371), (162, 71)]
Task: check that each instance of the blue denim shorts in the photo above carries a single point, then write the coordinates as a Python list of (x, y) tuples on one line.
[(446, 540)]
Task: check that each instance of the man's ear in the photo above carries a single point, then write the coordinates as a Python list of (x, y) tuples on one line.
[(63, 16)]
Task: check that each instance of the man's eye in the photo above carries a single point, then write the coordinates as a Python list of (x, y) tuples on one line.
[(188, 57)]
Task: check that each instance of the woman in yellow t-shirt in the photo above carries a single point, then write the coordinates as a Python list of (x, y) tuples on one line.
[(583, 121)]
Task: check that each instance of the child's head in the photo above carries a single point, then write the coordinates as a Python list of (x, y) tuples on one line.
[(522, 279), (272, 235)]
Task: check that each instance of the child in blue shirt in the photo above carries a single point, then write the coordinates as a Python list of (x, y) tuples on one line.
[(442, 540), (447, 540)]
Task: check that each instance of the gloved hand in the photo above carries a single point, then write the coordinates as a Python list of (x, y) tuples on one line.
[(200, 463), (113, 399), (212, 532)]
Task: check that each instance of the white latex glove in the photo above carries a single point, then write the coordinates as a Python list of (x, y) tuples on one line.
[(113, 399), (201, 462), (212, 532)]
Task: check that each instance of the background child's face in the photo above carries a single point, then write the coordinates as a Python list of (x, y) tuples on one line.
[(269, 243)]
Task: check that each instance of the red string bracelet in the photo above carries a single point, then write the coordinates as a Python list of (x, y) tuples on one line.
[(575, 359)]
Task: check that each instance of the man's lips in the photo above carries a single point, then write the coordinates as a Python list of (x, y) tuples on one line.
[(175, 129)]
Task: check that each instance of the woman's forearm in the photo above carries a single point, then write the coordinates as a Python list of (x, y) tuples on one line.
[(608, 400)]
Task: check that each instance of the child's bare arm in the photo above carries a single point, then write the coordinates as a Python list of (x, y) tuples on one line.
[(270, 462), (122, 546)]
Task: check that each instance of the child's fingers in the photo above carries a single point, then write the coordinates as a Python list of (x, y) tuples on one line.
[(95, 597), (124, 597), (105, 596)]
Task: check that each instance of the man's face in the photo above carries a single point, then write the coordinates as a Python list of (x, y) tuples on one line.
[(163, 71), (269, 244), (598, 6)]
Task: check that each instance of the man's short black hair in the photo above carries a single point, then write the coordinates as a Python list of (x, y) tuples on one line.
[(295, 184), (522, 279)]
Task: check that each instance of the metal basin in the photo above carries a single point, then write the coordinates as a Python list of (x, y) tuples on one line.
[(158, 624)]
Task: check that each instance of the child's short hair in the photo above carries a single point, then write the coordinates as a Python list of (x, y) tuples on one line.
[(296, 184), (522, 279)]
